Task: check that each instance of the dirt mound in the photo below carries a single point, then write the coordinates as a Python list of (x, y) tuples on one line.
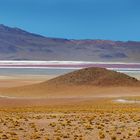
[(94, 76), (82, 83)]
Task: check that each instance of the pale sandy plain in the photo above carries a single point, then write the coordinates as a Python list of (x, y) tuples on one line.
[(78, 113)]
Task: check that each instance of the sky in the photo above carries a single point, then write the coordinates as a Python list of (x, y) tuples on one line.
[(75, 19)]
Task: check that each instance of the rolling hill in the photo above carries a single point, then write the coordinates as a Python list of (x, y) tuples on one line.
[(94, 77), (17, 44), (84, 82)]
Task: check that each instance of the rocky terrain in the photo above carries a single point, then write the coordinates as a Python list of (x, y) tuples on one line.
[(85, 82), (95, 77)]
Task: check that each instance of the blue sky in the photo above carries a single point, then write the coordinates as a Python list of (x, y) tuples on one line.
[(75, 19)]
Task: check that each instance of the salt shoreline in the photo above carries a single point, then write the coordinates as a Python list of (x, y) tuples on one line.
[(126, 101)]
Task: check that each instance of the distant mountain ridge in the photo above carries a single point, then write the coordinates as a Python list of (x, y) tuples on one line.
[(17, 44)]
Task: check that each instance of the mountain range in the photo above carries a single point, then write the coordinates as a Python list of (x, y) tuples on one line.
[(17, 44)]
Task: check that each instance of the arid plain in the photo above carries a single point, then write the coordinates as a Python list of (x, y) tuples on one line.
[(40, 108)]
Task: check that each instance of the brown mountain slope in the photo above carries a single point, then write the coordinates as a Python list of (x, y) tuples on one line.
[(94, 76), (85, 82)]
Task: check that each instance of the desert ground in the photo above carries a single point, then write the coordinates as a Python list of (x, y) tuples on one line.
[(94, 119), (78, 113), (21, 80)]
